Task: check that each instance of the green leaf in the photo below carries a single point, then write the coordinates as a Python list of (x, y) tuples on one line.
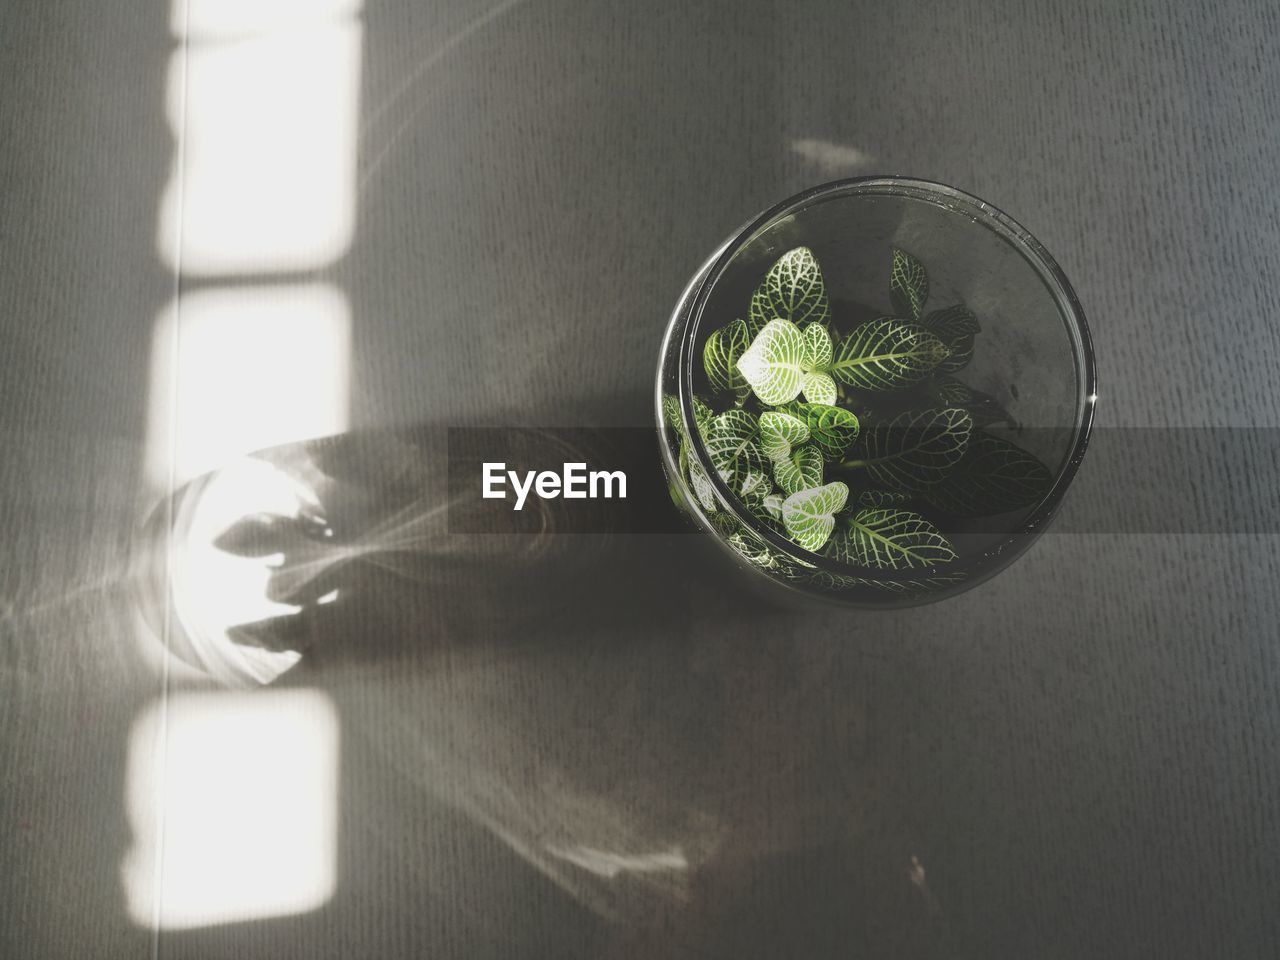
[(760, 312), (810, 515), (779, 432), (689, 469), (720, 358), (817, 342), (726, 524), (831, 429), (774, 363), (748, 480), (891, 540), (886, 354), (793, 290), (702, 412), (955, 327), (908, 285), (675, 490), (703, 489), (819, 388), (772, 505), (671, 412), (753, 484), (728, 433), (800, 470), (915, 450), (676, 484), (995, 476), (764, 518), (985, 408), (879, 499), (752, 549), (730, 442)]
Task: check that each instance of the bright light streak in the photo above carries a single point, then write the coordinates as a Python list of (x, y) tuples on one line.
[(233, 797), (269, 130), (235, 19), (255, 367), (248, 790), (609, 865)]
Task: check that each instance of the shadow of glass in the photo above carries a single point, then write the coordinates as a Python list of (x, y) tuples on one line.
[(620, 711), (365, 561)]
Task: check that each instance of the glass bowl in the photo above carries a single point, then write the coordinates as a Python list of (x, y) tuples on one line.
[(1027, 378)]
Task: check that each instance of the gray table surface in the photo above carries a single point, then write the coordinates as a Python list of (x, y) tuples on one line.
[(1081, 753)]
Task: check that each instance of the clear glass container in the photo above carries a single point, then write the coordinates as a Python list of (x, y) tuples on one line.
[(1032, 362)]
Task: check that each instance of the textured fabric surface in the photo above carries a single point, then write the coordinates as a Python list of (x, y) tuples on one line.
[(1080, 753)]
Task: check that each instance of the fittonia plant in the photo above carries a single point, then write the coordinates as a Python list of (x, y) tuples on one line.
[(855, 446)]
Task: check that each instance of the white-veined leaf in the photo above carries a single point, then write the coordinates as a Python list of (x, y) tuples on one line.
[(886, 354), (760, 510), (891, 539), (774, 363), (730, 441), (702, 486), (760, 312), (676, 484), (800, 470), (955, 327), (779, 432), (752, 481), (720, 358), (688, 469), (819, 388), (810, 515), (772, 505), (727, 434), (831, 429), (671, 412), (915, 450), (752, 550), (793, 290), (817, 343), (908, 285)]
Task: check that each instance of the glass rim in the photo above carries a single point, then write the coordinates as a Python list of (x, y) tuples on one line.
[(695, 297)]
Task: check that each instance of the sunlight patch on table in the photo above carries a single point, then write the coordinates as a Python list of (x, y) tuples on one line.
[(241, 369), (267, 109), (239, 820)]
